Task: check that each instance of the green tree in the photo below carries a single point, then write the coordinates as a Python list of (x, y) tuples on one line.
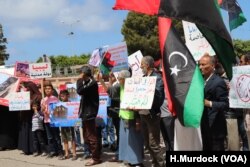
[(3, 41), (241, 47), (66, 61), (141, 33)]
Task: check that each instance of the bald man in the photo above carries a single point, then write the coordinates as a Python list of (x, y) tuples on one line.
[(213, 123)]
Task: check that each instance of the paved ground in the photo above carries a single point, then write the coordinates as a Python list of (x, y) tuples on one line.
[(15, 158)]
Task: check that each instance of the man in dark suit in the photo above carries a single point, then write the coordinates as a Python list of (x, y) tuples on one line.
[(213, 123)]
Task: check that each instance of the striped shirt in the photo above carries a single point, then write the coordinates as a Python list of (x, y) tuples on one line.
[(37, 122)]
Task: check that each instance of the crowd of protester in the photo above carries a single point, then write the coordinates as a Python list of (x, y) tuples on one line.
[(129, 133)]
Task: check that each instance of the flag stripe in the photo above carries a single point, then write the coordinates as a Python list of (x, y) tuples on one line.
[(194, 96), (149, 7), (164, 26)]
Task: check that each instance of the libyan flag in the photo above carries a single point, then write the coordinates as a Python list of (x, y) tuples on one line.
[(181, 75), (204, 13), (236, 16)]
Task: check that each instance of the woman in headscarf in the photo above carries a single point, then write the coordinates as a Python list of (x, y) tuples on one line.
[(25, 141)]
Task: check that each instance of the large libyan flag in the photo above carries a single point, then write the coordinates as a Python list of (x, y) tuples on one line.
[(182, 76), (204, 13)]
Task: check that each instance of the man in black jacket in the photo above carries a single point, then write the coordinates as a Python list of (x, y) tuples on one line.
[(150, 119), (87, 88)]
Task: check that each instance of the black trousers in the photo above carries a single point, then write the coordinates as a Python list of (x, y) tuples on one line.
[(39, 141), (167, 131)]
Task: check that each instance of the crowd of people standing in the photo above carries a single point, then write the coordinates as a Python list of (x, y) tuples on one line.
[(137, 131)]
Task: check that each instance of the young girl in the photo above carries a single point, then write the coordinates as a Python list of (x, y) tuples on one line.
[(67, 133), (38, 130)]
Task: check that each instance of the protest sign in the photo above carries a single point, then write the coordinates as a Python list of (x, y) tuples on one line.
[(19, 101), (239, 94), (8, 84), (115, 59), (64, 114), (138, 92), (21, 69), (40, 70), (134, 61), (195, 41), (95, 58)]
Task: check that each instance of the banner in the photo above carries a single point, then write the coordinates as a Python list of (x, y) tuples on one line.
[(64, 114), (40, 70), (19, 101), (139, 92), (195, 41), (8, 84), (134, 61), (239, 94)]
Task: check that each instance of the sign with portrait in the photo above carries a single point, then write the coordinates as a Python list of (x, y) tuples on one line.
[(22, 69), (239, 94)]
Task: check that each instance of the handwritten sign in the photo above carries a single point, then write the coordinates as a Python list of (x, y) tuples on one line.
[(134, 61), (195, 41), (19, 101), (139, 92), (40, 70), (64, 114), (239, 94)]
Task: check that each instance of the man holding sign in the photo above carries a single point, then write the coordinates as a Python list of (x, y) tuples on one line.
[(150, 119)]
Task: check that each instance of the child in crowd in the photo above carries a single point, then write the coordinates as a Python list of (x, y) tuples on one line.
[(38, 130), (67, 133), (53, 133)]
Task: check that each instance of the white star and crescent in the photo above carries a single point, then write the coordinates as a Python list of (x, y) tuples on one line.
[(175, 70)]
